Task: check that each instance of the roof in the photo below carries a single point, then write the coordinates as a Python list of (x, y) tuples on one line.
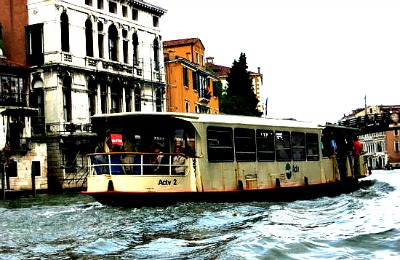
[(219, 70), (7, 63), (181, 42), (223, 71), (12, 68), (210, 118)]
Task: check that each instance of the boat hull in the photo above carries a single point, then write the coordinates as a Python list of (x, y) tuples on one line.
[(140, 199)]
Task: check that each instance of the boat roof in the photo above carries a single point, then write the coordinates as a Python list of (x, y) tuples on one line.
[(212, 118)]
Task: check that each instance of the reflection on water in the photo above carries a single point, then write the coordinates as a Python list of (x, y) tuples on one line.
[(361, 225)]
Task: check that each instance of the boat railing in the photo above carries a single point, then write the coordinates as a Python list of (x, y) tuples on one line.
[(135, 163)]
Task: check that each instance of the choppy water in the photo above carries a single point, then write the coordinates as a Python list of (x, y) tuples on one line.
[(361, 225)]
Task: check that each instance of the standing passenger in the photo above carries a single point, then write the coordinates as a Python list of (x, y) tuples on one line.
[(357, 150)]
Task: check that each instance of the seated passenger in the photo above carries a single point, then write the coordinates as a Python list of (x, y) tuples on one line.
[(115, 161), (178, 162)]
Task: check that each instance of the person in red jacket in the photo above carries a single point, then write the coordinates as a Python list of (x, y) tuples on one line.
[(357, 147), (357, 150)]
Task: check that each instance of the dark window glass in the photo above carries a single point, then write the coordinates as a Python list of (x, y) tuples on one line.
[(35, 52), (135, 43), (265, 145), (159, 94), (112, 7), (135, 14), (282, 144), (92, 96), (124, 11), (245, 145), (67, 99), (138, 99), (156, 49), (298, 146), (219, 144), (89, 38), (312, 147), (100, 4), (155, 21), (64, 32), (36, 168), (113, 43), (185, 77), (11, 169)]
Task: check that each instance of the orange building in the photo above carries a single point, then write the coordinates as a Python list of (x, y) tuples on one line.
[(190, 87)]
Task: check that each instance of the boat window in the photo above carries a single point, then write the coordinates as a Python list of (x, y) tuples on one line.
[(312, 147), (245, 145), (298, 146), (219, 144), (282, 142), (265, 146)]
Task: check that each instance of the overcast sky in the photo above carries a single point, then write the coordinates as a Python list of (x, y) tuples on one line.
[(319, 58)]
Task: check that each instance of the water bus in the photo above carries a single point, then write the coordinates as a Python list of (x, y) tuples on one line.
[(163, 158)]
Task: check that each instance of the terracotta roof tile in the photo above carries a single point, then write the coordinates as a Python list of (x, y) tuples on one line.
[(7, 63), (219, 70), (181, 42)]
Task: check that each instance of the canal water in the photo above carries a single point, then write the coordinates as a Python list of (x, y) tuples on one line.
[(361, 225)]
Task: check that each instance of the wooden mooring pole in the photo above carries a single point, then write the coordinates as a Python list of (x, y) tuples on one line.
[(3, 183), (33, 174)]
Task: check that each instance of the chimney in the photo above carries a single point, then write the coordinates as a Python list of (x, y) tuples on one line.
[(210, 60)]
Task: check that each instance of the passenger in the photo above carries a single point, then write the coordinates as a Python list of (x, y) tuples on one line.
[(178, 162), (99, 159), (334, 148), (128, 159), (156, 158), (357, 147), (357, 150), (116, 162)]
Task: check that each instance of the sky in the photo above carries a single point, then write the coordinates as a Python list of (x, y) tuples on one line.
[(320, 59)]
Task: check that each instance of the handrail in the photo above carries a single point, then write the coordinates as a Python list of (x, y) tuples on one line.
[(135, 163)]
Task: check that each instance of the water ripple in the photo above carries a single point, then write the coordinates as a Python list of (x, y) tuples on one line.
[(360, 225)]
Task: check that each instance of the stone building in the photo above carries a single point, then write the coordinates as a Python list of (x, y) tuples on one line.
[(23, 160), (382, 146), (87, 57), (191, 88)]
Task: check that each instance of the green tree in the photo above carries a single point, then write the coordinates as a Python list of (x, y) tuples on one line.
[(240, 98)]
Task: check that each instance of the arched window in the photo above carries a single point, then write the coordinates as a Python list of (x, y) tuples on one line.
[(138, 99), (100, 39), (64, 32), (89, 38), (113, 43), (156, 49), (67, 98), (135, 43)]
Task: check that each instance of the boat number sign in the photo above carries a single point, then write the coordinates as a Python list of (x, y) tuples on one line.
[(168, 182)]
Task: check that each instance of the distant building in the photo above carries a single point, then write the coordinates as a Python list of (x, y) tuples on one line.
[(381, 147), (23, 157), (223, 71), (191, 88)]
